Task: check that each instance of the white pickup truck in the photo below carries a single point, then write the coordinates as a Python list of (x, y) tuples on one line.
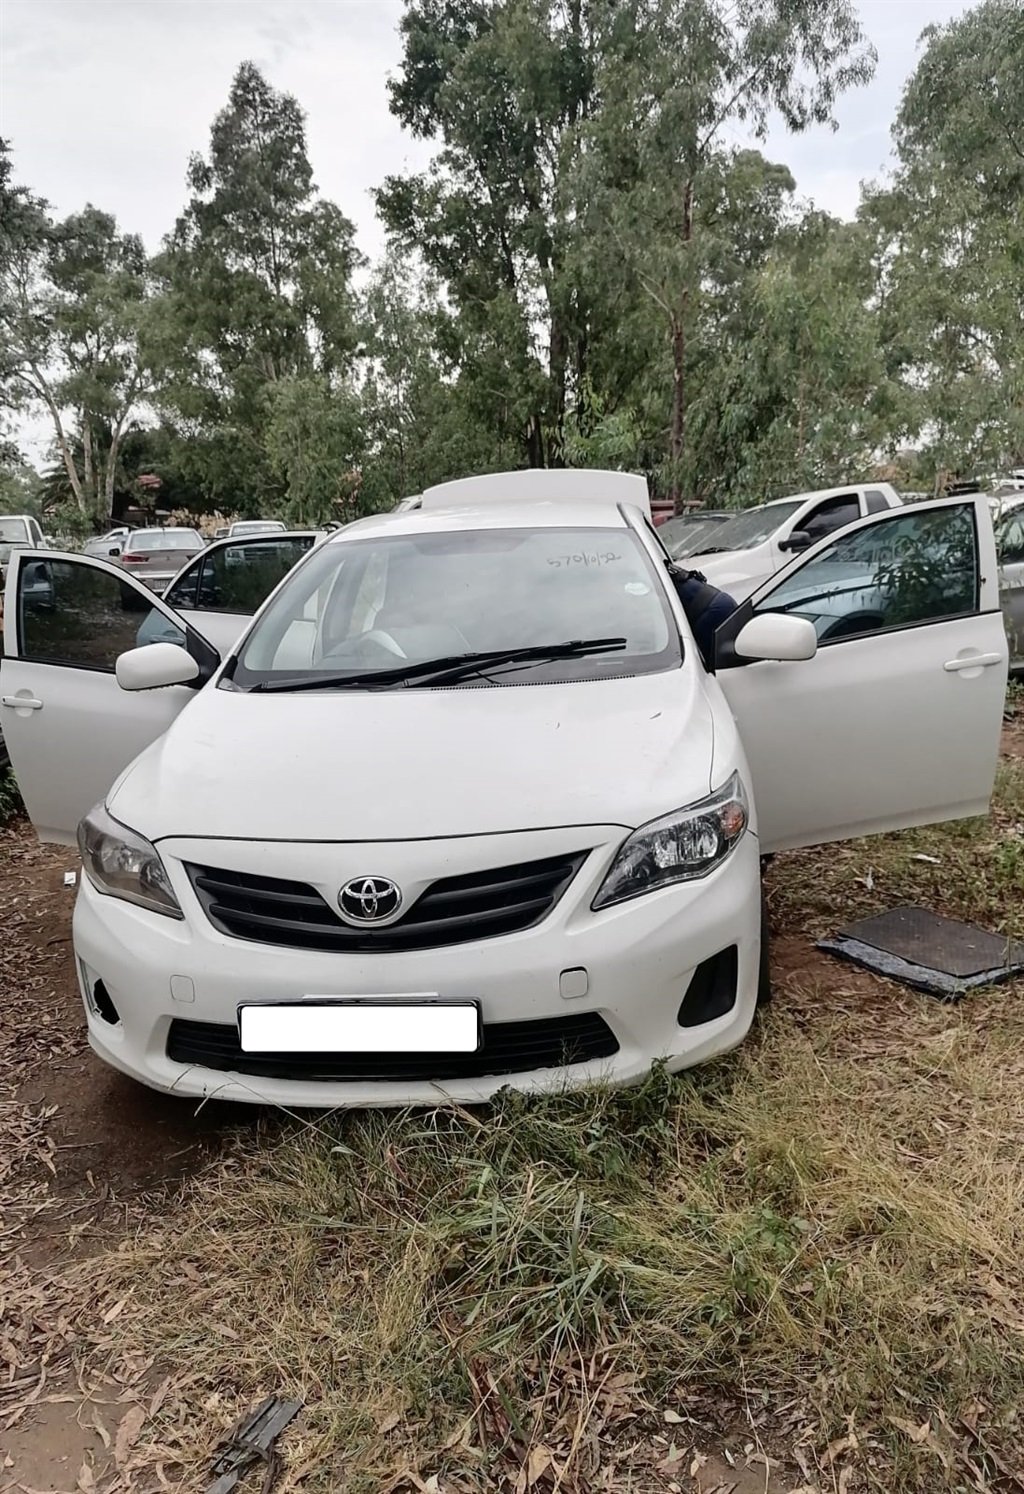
[(759, 541)]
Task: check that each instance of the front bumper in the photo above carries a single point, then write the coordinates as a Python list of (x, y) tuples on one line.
[(639, 957)]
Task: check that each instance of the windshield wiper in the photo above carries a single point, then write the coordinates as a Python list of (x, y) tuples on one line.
[(447, 670)]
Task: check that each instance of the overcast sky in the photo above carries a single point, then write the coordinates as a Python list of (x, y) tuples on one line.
[(104, 100)]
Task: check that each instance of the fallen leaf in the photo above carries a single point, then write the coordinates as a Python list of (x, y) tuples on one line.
[(390, 1422), (673, 1418), (538, 1463), (159, 1396), (128, 1433), (117, 1309), (840, 1445)]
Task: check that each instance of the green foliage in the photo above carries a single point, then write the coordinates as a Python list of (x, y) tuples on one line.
[(590, 272), (256, 294), (949, 242), (10, 796), (73, 306), (311, 437)]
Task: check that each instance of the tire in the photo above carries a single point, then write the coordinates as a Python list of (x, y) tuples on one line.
[(764, 975)]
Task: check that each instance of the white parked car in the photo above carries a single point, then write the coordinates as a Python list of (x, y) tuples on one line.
[(18, 532), (463, 808), (108, 545), (753, 545)]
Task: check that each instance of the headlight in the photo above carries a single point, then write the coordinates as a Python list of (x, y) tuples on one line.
[(680, 847), (123, 864)]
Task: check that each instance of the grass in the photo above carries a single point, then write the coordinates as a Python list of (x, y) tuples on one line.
[(10, 797), (817, 1239)]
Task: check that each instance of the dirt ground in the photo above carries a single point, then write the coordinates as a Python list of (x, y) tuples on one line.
[(102, 1143)]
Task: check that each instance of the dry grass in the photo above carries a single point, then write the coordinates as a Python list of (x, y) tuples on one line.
[(819, 1239)]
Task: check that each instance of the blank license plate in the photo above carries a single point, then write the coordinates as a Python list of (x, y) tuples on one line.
[(326, 1026)]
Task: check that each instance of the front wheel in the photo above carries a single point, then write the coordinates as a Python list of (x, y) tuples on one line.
[(764, 976)]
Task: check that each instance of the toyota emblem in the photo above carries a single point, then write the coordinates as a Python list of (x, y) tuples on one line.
[(369, 900)]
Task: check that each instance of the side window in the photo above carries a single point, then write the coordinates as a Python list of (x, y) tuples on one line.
[(239, 578), (185, 591), (912, 568), (35, 535), (72, 613), (833, 514), (1010, 540), (875, 502)]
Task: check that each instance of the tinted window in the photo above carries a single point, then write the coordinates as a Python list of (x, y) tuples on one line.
[(875, 501), (238, 578), (833, 514), (1010, 539), (912, 568), (74, 614)]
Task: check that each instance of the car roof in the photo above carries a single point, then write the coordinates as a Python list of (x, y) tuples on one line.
[(846, 487), (156, 529), (493, 516)]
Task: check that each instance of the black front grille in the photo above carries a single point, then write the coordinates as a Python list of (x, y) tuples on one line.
[(455, 910), (508, 1048)]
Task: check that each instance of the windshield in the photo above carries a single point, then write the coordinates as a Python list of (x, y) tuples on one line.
[(686, 536), (257, 526), (367, 606), (13, 532), (751, 527), (164, 539)]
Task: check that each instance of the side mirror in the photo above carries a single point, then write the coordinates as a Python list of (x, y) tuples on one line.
[(798, 540), (155, 666), (114, 551), (772, 635)]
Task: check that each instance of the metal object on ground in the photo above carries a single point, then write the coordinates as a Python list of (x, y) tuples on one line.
[(922, 949), (251, 1441)]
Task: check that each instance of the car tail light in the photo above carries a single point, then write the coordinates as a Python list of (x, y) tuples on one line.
[(134, 559)]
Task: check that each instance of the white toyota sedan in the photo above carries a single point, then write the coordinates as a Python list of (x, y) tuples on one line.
[(464, 807)]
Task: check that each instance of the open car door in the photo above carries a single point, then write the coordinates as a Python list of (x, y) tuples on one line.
[(69, 727), (896, 720)]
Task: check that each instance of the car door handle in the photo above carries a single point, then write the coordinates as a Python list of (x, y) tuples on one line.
[(972, 661), (22, 703)]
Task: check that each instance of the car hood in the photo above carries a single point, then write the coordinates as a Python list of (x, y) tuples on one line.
[(738, 572), (416, 763)]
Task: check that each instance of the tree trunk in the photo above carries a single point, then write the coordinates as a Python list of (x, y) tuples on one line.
[(678, 411), (679, 323), (88, 465), (558, 359), (41, 387), (535, 442)]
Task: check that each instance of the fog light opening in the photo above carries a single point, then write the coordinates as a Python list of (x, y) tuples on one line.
[(712, 989), (102, 1004)]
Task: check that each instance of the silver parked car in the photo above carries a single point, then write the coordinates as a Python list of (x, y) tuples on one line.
[(155, 556)]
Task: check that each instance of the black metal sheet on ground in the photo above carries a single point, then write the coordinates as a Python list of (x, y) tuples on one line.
[(940, 955)]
